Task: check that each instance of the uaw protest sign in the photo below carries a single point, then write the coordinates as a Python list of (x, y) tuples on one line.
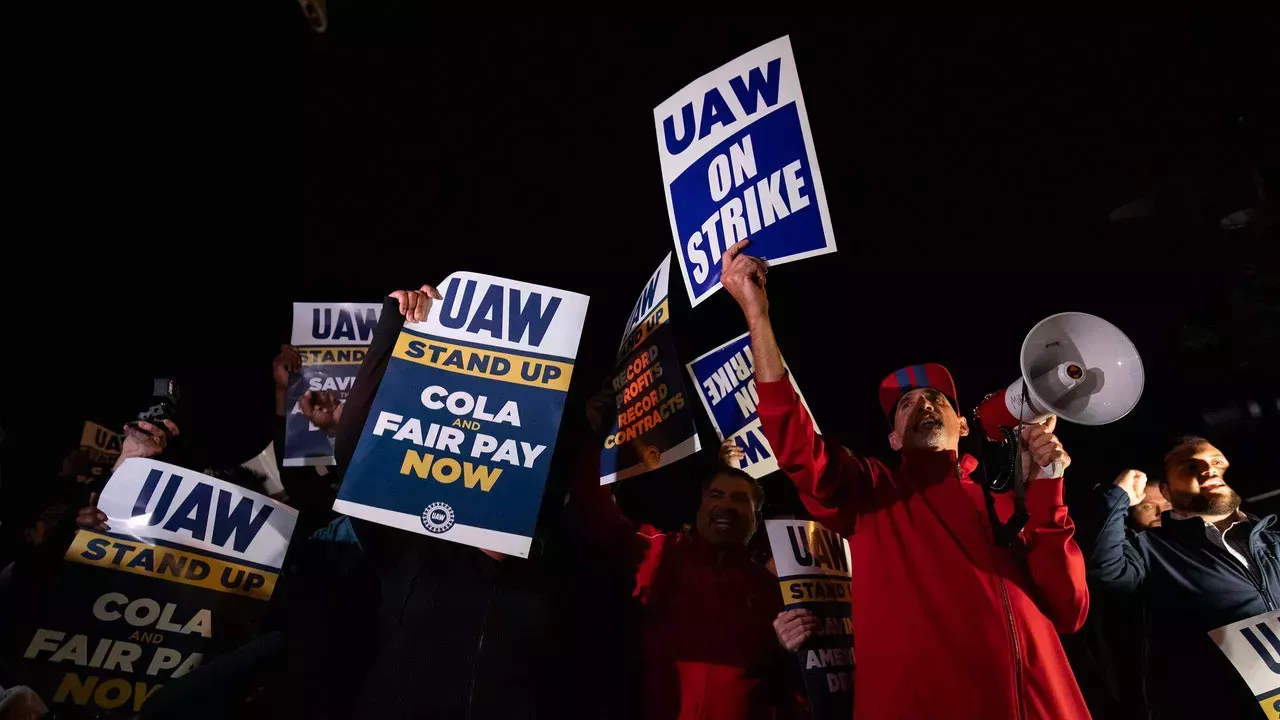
[(182, 573), (738, 162), (460, 435), (331, 339), (654, 421), (813, 572), (1253, 647), (725, 378)]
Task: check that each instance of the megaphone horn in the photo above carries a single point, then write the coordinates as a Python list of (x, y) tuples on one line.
[(1074, 365)]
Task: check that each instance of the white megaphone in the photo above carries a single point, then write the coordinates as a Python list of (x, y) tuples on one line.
[(1074, 365)]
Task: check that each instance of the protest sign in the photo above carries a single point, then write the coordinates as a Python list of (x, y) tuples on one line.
[(459, 438), (98, 451), (181, 574), (1253, 647), (813, 571), (738, 162), (654, 423), (332, 339), (726, 381)]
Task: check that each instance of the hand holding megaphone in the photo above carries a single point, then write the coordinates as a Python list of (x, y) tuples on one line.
[(1075, 366), (1044, 451)]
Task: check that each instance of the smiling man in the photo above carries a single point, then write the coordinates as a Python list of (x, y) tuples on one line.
[(943, 613), (1207, 564)]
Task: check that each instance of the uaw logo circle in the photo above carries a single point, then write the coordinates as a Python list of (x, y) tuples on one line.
[(437, 518)]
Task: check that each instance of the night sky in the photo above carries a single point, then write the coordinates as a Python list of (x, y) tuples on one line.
[(183, 180)]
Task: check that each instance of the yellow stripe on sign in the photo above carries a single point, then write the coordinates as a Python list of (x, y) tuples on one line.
[(164, 563), (464, 360), (1271, 707), (332, 355), (643, 329), (804, 590)]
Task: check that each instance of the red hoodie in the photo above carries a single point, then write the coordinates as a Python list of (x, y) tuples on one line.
[(706, 616), (946, 622)]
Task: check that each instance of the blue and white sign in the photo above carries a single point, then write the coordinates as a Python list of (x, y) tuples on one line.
[(1253, 648), (460, 435), (332, 339), (726, 382), (738, 162)]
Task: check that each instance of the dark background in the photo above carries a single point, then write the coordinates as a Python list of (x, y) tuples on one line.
[(179, 178)]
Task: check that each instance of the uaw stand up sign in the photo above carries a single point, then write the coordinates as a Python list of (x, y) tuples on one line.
[(459, 438), (813, 570), (182, 573), (332, 339)]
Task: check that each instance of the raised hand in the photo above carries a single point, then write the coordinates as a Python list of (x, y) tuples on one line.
[(144, 440), (744, 278), (1043, 449), (1134, 484), (414, 304), (322, 407), (90, 517), (731, 454), (285, 364)]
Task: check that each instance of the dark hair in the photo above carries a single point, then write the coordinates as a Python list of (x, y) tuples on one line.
[(757, 490), (1182, 443)]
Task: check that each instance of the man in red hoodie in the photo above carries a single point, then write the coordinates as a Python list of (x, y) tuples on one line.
[(947, 619), (702, 608)]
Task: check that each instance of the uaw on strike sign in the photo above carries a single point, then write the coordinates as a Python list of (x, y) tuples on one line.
[(182, 573), (738, 162), (460, 435), (1253, 647), (725, 378)]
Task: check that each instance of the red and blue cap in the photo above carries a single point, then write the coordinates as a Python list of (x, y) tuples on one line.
[(901, 382)]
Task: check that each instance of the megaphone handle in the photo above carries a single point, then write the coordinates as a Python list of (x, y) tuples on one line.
[(1053, 470)]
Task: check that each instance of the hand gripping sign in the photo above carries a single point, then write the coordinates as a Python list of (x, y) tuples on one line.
[(738, 162), (654, 422), (726, 381), (460, 435), (332, 339)]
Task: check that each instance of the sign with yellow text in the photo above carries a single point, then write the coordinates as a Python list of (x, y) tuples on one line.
[(180, 574), (460, 435), (653, 424), (813, 571), (331, 339)]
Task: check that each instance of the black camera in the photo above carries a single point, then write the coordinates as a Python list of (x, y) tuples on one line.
[(164, 404)]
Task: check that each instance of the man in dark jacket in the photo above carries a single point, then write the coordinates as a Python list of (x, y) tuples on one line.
[(941, 612), (1205, 566)]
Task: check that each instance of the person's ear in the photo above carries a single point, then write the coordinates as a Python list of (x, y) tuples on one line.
[(895, 441), (964, 426), (1164, 490)]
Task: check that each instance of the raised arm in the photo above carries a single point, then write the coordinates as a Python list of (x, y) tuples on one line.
[(1112, 560), (399, 306), (830, 479)]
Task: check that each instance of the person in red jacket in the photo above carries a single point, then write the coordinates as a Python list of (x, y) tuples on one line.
[(946, 619), (703, 609)]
